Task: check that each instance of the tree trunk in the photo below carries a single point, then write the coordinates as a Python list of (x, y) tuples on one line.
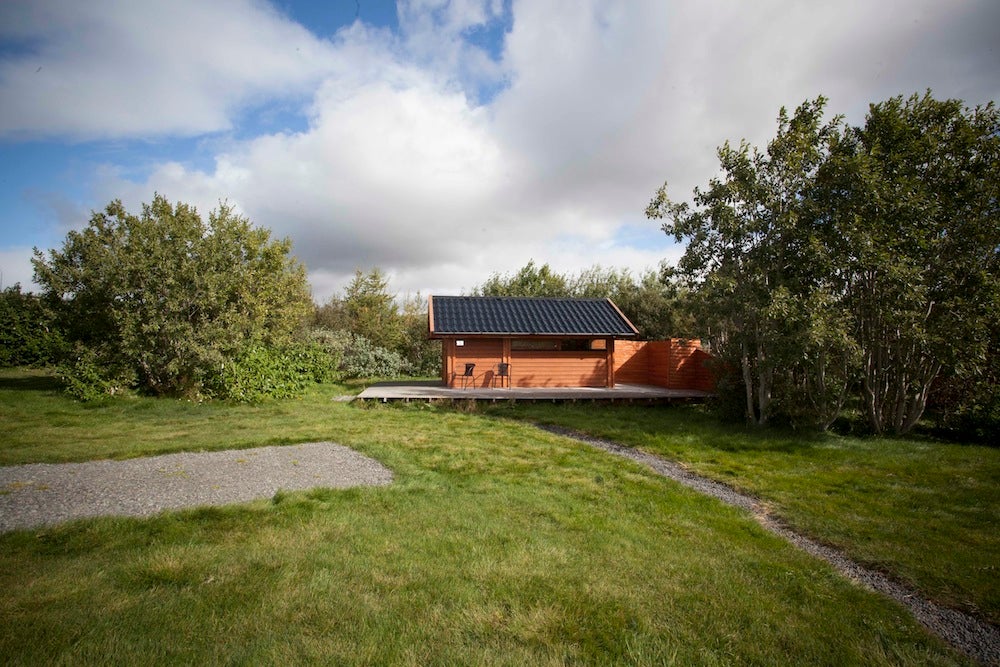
[(747, 383), (764, 380)]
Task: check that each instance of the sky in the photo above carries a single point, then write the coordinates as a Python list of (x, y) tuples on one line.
[(440, 141)]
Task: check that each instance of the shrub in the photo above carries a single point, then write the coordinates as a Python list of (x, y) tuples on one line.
[(86, 378), (359, 357), (172, 296), (268, 372), (28, 335)]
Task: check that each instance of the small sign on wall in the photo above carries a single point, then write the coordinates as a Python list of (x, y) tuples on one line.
[(459, 343)]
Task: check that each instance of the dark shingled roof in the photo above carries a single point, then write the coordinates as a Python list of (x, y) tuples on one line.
[(526, 316)]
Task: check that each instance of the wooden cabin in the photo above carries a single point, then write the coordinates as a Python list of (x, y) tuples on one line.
[(527, 341)]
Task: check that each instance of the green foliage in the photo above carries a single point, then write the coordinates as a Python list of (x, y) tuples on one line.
[(529, 280), (171, 297), (967, 405), (332, 315), (655, 303), (385, 338), (28, 335), (658, 305), (260, 373), (371, 309), (86, 375), (364, 359), (914, 199), (750, 259), (359, 357), (845, 257), (422, 354)]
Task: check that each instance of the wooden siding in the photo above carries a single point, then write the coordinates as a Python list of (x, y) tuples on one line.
[(632, 362), (673, 364), (686, 367), (558, 369), (485, 353)]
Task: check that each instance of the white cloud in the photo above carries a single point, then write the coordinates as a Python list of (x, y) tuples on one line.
[(15, 267), (403, 167), (106, 68)]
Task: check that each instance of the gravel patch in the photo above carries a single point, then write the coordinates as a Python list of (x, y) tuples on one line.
[(975, 638), (40, 494)]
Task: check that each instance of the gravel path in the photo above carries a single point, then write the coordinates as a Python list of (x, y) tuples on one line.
[(978, 640), (43, 493)]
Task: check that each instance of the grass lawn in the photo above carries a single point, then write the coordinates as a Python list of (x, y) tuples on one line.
[(497, 544), (926, 512)]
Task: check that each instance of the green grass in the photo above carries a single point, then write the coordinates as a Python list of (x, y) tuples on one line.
[(496, 544), (927, 512), (42, 425)]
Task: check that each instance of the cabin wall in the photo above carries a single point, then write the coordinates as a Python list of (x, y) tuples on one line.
[(673, 364), (559, 369), (485, 353), (676, 363)]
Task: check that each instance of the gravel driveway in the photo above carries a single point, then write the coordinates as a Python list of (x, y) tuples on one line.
[(43, 493)]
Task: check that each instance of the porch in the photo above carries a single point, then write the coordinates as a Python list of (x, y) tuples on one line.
[(436, 390)]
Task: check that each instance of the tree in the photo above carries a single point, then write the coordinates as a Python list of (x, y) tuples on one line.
[(655, 303), (28, 336), (915, 197), (748, 254), (528, 281), (332, 315), (165, 300), (371, 311), (423, 354)]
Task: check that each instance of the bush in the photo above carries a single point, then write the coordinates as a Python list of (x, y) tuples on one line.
[(267, 372), (256, 374), (172, 296), (87, 378), (359, 357), (28, 335), (968, 408)]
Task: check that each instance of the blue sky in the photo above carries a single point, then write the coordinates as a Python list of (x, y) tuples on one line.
[(440, 141)]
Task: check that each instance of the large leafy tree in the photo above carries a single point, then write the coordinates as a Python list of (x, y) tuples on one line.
[(844, 257), (750, 258), (166, 299), (914, 197)]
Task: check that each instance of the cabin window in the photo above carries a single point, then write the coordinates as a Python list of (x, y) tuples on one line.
[(534, 344), (556, 344)]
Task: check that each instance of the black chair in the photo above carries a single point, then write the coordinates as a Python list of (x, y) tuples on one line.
[(503, 373), (469, 374)]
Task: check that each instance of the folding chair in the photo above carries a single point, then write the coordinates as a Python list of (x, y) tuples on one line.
[(503, 373), (469, 374)]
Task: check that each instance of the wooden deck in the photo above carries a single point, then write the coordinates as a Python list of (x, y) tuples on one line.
[(436, 391)]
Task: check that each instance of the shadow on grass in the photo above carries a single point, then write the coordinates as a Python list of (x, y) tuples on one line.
[(30, 382)]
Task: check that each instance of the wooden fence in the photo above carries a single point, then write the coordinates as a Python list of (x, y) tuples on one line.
[(674, 364)]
